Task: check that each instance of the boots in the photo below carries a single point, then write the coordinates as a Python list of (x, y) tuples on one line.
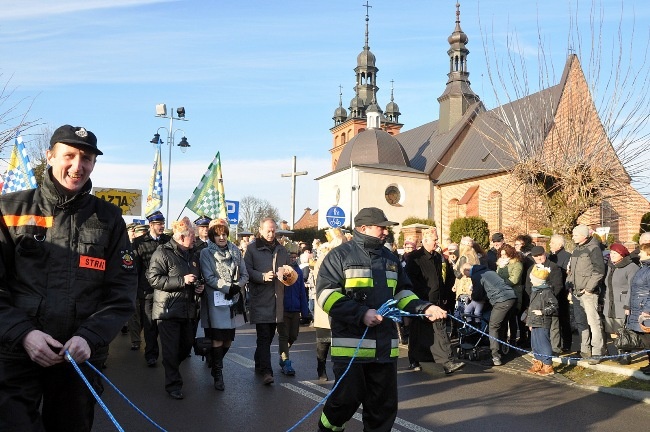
[(322, 371), (217, 368), (546, 370), (536, 367)]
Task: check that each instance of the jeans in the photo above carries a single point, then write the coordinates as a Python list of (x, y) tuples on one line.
[(540, 342), (589, 325)]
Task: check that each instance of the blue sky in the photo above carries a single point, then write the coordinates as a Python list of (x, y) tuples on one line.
[(259, 80)]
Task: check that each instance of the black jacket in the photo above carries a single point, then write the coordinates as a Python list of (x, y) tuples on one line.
[(172, 298), (554, 280), (424, 269), (143, 248), (66, 268), (542, 299)]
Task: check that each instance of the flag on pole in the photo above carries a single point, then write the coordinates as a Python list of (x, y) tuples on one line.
[(19, 175), (155, 194), (208, 197)]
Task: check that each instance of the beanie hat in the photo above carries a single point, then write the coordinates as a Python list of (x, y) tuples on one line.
[(620, 249), (582, 230), (539, 274)]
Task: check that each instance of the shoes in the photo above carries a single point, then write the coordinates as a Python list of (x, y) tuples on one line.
[(566, 350), (321, 370), (645, 369), (176, 394), (536, 367), (415, 366), (268, 379), (495, 361), (125, 330), (451, 367), (135, 346), (287, 369), (625, 359), (151, 363), (546, 370), (594, 361)]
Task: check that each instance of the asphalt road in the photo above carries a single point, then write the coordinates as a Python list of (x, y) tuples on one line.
[(474, 399)]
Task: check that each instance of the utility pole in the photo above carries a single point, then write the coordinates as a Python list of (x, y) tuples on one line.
[(293, 174)]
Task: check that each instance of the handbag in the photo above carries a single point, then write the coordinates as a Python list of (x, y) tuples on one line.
[(626, 339), (202, 346)]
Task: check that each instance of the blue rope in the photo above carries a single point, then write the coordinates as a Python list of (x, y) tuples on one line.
[(101, 403)]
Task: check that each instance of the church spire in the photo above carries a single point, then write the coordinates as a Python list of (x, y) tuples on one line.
[(458, 95), (366, 70)]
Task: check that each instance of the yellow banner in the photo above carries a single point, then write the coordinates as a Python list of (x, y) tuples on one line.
[(129, 200)]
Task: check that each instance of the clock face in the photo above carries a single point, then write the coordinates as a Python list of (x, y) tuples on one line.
[(393, 195)]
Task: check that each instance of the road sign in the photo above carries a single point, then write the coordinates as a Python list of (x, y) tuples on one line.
[(129, 200), (232, 207), (335, 217)]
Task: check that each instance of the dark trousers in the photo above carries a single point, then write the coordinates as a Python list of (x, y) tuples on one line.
[(373, 385), (265, 334), (136, 321), (288, 331), (150, 327), (427, 339), (561, 324), (497, 327), (176, 339), (67, 404)]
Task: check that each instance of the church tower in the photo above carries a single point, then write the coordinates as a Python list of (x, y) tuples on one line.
[(347, 124), (458, 95)]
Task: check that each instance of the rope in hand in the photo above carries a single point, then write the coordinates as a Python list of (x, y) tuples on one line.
[(99, 400)]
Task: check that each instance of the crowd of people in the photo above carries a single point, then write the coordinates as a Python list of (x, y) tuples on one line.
[(72, 274)]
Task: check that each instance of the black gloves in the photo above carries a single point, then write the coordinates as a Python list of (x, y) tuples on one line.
[(234, 290)]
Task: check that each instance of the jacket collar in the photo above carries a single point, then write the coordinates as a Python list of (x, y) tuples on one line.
[(53, 194)]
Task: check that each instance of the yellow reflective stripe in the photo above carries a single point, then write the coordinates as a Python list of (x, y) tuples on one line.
[(394, 352), (322, 298), (392, 284), (359, 283), (401, 304), (331, 299), (349, 352), (330, 426), (358, 273)]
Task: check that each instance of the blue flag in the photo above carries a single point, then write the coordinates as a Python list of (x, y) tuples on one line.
[(19, 175)]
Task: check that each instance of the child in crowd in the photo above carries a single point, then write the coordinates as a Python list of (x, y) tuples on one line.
[(543, 306)]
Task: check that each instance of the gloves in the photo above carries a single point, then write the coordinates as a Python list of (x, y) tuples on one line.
[(234, 290)]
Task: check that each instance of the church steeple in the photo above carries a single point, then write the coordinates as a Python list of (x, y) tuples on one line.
[(366, 70), (340, 115), (458, 95)]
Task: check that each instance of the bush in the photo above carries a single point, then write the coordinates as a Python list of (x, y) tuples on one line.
[(546, 231), (474, 227)]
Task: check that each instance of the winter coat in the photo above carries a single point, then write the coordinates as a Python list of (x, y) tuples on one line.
[(172, 298), (66, 268), (617, 287), (541, 298), (586, 267), (561, 258), (488, 284), (512, 274), (266, 299), (219, 316), (357, 276), (639, 296), (295, 296), (143, 248), (554, 280), (424, 269)]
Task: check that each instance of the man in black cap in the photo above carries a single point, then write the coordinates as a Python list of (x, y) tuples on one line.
[(493, 254), (144, 247), (556, 282), (67, 285), (354, 280), (202, 224)]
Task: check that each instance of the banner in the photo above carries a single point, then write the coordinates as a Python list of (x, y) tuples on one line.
[(208, 198), (19, 175), (155, 194)]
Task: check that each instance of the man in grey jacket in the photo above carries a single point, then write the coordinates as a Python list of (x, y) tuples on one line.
[(586, 271)]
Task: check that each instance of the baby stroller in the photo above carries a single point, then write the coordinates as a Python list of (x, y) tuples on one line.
[(472, 343)]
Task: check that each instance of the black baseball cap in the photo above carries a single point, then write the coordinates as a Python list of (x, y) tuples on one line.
[(76, 137), (372, 216), (497, 237), (537, 251)]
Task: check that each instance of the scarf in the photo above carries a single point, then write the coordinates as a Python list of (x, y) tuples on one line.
[(227, 260)]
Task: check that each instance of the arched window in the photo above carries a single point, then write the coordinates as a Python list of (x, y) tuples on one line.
[(452, 210), (495, 212), (343, 138)]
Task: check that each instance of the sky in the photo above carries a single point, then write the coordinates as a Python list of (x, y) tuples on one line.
[(259, 80)]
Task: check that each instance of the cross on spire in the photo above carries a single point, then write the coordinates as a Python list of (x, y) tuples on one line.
[(367, 6)]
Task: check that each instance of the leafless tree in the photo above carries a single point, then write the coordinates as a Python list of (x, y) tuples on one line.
[(13, 114), (37, 145), (576, 145), (252, 210)]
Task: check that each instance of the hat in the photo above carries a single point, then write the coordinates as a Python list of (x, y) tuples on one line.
[(537, 251), (497, 237), (75, 136), (539, 274), (581, 230), (290, 276), (156, 216), (372, 216), (202, 221), (622, 250), (141, 229), (131, 226)]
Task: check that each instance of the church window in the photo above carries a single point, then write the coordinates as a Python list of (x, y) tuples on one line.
[(495, 211), (393, 195), (452, 210), (343, 138)]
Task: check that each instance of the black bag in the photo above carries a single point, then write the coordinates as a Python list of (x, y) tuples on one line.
[(202, 346), (626, 339)]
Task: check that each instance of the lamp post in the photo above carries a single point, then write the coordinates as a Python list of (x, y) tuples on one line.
[(161, 111)]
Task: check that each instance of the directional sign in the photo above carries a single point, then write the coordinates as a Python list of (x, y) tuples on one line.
[(232, 208), (335, 217)]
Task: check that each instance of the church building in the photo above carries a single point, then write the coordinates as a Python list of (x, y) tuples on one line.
[(453, 166)]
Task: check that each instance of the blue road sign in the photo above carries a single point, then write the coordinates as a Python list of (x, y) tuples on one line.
[(335, 217), (232, 208)]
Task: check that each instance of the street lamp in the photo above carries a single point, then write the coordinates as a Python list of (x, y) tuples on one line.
[(161, 111)]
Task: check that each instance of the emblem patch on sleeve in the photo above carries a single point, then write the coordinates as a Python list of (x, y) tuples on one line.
[(127, 260)]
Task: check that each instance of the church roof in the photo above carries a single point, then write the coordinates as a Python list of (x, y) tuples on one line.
[(373, 146)]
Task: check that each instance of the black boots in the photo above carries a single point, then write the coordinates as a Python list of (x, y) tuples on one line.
[(322, 371), (217, 368)]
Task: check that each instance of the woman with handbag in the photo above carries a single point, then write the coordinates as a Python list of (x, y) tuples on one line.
[(620, 271), (225, 274), (638, 306)]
